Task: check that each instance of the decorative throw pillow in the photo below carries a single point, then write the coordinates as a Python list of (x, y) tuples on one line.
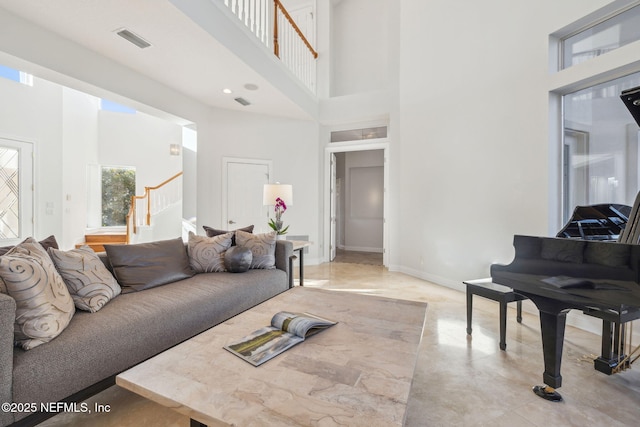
[(145, 265), (206, 254), (212, 232), (237, 259), (262, 246), (43, 304), (49, 242), (89, 282)]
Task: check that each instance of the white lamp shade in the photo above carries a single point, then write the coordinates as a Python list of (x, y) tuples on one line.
[(272, 191)]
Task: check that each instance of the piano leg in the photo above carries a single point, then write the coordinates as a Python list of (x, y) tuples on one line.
[(552, 326), (613, 343), (553, 318)]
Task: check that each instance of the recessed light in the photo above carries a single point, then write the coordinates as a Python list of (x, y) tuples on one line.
[(251, 86), (227, 91)]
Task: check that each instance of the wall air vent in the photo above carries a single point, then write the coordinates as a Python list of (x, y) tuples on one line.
[(242, 101), (133, 38), (359, 134)]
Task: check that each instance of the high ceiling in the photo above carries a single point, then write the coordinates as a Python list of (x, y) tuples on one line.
[(183, 56)]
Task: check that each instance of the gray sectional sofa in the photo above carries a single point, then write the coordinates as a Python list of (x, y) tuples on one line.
[(130, 328)]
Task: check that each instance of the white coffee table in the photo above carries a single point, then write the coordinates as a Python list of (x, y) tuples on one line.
[(356, 373)]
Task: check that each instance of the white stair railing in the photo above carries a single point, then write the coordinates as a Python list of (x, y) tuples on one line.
[(285, 37)]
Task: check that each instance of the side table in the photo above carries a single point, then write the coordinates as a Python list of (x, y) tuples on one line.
[(298, 246), (493, 291)]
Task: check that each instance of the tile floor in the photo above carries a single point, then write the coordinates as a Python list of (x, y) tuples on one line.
[(459, 380)]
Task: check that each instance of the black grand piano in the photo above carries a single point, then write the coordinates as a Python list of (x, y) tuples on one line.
[(593, 266)]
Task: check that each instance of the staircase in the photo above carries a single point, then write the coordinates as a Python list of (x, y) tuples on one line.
[(156, 215), (98, 240)]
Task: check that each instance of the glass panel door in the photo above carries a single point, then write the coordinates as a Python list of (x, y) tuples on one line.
[(16, 194)]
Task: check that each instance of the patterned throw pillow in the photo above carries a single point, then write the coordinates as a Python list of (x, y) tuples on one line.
[(206, 254), (44, 306), (263, 248), (89, 282)]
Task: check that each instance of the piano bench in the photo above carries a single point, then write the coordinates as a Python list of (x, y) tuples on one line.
[(502, 294)]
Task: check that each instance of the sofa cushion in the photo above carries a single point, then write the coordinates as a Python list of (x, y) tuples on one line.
[(565, 250), (43, 304), (206, 254), (89, 282), (134, 327), (262, 246), (49, 242), (212, 232), (145, 265)]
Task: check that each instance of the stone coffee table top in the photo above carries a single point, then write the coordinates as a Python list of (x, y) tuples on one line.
[(356, 373)]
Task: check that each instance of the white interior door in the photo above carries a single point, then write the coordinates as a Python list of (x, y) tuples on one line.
[(244, 184), (16, 191)]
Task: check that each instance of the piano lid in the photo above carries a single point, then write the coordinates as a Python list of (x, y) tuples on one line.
[(596, 222), (631, 99)]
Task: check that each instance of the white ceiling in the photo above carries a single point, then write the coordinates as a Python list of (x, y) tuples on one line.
[(182, 56)]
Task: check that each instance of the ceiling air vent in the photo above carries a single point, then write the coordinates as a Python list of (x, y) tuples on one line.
[(242, 101), (133, 38)]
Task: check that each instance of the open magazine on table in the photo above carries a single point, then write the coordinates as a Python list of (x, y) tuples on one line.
[(286, 330)]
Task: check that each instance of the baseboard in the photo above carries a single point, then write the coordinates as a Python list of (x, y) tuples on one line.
[(361, 249)]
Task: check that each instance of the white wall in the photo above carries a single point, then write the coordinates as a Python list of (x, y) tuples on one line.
[(135, 139), (472, 163), (359, 46), (190, 173), (33, 114), (79, 148), (290, 144)]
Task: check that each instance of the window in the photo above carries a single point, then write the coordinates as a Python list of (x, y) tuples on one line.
[(118, 186), (107, 105), (15, 75), (600, 146), (618, 30)]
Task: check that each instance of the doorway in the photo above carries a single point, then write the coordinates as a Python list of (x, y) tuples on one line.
[(357, 183)]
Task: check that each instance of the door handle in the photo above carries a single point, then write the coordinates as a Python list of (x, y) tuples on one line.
[(231, 221)]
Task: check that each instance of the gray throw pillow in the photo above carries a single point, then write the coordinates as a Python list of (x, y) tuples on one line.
[(43, 304), (89, 282), (212, 232), (145, 265), (49, 242), (262, 246), (237, 259), (206, 254)]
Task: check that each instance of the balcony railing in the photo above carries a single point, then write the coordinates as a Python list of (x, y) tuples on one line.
[(270, 22)]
